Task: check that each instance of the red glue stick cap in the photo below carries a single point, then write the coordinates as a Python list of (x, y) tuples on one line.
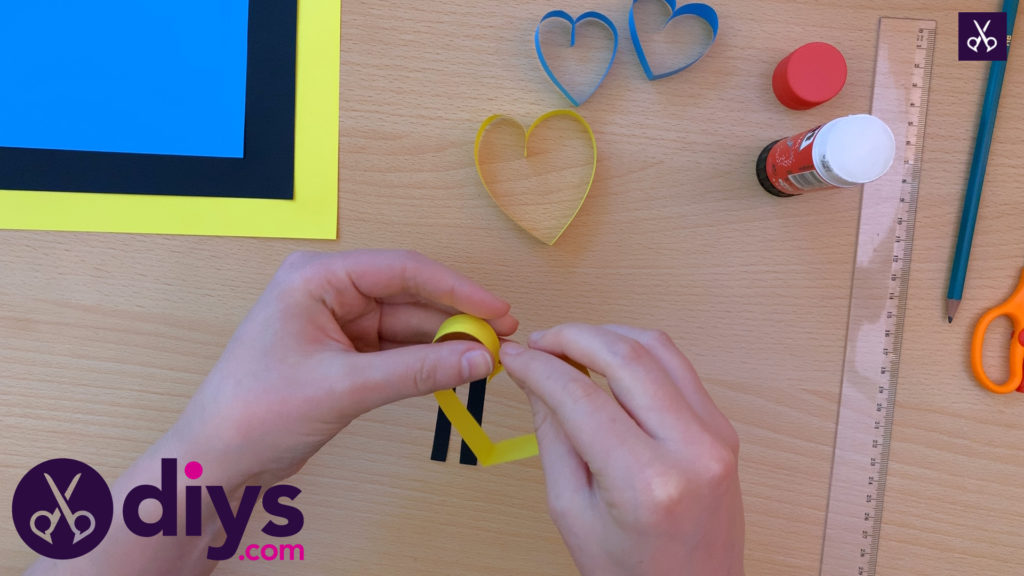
[(812, 74)]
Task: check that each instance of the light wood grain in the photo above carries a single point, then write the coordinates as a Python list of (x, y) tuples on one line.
[(103, 338)]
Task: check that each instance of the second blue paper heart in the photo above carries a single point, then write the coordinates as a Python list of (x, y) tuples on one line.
[(578, 75)]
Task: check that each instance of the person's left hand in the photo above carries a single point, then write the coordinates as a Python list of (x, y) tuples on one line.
[(334, 336)]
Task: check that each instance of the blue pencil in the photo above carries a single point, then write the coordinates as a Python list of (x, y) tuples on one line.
[(978, 163)]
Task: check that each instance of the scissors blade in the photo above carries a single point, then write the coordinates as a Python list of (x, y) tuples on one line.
[(53, 487), (61, 502), (71, 487), (982, 30)]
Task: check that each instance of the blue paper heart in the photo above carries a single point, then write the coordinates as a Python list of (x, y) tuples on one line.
[(702, 11), (562, 15)]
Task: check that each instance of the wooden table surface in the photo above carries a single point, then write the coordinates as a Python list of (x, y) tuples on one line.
[(103, 338)]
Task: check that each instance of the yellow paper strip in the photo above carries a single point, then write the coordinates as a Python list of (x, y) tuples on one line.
[(512, 449), (313, 213), (463, 421), (466, 327)]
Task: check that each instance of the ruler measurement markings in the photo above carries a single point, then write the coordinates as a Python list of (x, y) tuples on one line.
[(861, 459)]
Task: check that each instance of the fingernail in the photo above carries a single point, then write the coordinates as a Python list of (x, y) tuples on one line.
[(476, 364), (511, 348), (536, 336)]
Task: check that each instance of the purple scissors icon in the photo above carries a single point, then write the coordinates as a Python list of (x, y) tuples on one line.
[(975, 41), (65, 510)]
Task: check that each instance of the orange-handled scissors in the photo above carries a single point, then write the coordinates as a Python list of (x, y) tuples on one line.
[(1014, 309)]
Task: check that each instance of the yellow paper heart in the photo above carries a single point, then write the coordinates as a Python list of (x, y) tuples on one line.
[(544, 196), (488, 453)]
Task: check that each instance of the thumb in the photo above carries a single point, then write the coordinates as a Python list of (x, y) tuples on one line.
[(375, 379)]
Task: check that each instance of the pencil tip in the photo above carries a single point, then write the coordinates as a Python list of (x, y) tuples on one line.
[(951, 307)]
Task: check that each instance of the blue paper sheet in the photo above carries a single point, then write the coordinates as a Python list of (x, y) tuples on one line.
[(130, 76)]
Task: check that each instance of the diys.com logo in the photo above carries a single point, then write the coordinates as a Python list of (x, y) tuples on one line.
[(983, 36), (63, 509)]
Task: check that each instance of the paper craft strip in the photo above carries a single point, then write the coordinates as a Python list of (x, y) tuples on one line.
[(702, 11), (562, 15), (312, 214), (466, 327), (489, 453), (475, 407), (526, 143), (443, 426), (266, 169)]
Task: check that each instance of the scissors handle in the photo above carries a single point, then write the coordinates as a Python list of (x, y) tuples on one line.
[(1014, 310), (52, 517), (73, 520)]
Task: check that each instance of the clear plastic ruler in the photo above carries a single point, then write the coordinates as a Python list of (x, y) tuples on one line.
[(878, 301)]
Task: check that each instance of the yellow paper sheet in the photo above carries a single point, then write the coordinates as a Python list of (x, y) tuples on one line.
[(313, 213)]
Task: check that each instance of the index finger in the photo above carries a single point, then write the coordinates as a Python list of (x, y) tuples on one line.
[(388, 274), (637, 377), (605, 437)]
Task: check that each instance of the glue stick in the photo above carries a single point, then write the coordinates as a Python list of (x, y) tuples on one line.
[(845, 152)]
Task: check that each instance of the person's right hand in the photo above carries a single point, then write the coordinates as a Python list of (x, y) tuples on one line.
[(642, 483)]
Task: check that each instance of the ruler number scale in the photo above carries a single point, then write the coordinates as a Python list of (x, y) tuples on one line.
[(878, 303)]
